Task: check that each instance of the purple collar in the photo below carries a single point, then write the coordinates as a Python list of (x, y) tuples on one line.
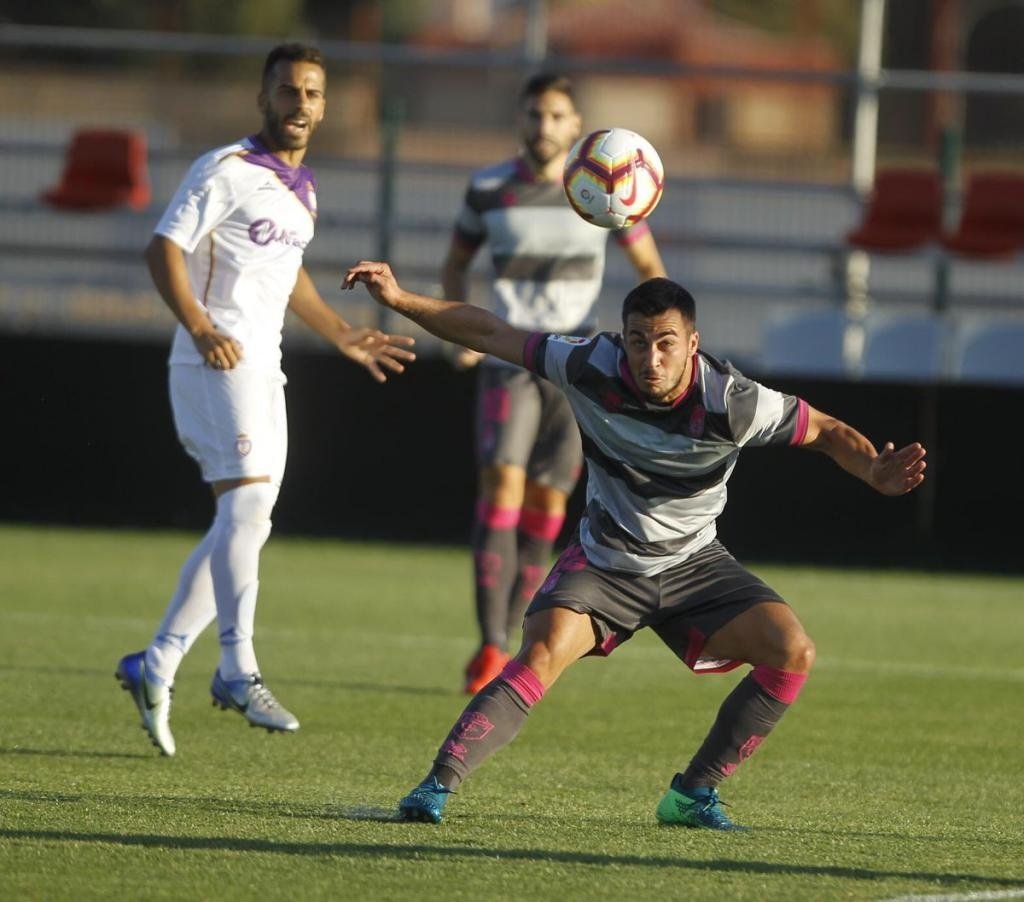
[(297, 179)]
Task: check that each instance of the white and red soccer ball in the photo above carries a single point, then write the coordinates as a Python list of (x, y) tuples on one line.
[(613, 177)]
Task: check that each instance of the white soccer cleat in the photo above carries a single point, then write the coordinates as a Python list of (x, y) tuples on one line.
[(251, 698), (152, 699)]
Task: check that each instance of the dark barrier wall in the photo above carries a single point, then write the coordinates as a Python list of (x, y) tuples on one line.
[(88, 440)]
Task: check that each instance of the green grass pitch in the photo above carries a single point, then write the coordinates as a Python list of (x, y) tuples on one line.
[(898, 773)]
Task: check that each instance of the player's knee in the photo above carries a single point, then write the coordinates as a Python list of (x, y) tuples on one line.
[(546, 658), (502, 485), (798, 652), (545, 499), (247, 507), (536, 655)]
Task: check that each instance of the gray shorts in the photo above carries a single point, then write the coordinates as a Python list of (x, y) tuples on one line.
[(524, 421), (684, 605)]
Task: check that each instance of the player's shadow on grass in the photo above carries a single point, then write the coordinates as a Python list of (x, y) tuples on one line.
[(214, 805), (68, 753), (58, 669), (421, 852)]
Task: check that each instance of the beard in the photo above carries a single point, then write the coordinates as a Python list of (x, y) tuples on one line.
[(274, 126), (543, 150)]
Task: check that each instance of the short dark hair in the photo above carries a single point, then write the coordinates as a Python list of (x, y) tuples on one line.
[(655, 296), (292, 53), (543, 82)]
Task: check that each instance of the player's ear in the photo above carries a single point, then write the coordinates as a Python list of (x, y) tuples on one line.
[(578, 125), (694, 342)]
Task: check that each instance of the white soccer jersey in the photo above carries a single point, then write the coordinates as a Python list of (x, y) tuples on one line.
[(657, 473), (243, 219)]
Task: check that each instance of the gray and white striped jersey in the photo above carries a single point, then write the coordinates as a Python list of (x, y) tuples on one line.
[(657, 473), (548, 261)]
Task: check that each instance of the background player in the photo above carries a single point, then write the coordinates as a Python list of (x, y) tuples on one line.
[(227, 259), (663, 425), (547, 269)]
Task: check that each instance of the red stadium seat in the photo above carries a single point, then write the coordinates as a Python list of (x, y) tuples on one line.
[(103, 169), (992, 221), (905, 212)]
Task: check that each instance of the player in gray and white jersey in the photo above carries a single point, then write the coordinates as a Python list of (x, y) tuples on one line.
[(657, 482), (548, 264), (662, 425)]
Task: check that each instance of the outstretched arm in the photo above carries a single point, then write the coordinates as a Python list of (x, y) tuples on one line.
[(643, 254), (375, 350), (890, 472), (454, 321)]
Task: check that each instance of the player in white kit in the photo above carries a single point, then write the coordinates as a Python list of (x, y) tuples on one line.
[(226, 257)]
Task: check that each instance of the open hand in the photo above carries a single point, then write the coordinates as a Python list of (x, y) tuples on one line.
[(378, 279), (377, 351), (898, 472)]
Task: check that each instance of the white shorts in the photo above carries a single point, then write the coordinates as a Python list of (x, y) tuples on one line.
[(234, 423)]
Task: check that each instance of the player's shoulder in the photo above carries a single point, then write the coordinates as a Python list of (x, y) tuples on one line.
[(715, 365), (722, 382), (493, 177), (229, 158), (600, 351)]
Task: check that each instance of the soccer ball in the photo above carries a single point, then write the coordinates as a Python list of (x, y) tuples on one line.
[(613, 177)]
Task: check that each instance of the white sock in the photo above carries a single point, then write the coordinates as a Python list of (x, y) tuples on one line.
[(189, 612), (241, 527)]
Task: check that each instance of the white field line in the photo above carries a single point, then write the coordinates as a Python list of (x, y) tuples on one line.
[(963, 897)]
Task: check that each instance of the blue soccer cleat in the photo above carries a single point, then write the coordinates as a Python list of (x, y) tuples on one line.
[(697, 806), (152, 699), (425, 803)]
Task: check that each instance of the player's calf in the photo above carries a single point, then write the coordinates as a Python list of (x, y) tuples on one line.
[(490, 721)]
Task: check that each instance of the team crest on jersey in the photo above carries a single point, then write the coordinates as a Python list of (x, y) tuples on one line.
[(243, 445), (570, 339), (698, 416)]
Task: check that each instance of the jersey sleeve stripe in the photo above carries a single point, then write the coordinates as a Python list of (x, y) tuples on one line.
[(531, 359), (802, 419), (625, 237)]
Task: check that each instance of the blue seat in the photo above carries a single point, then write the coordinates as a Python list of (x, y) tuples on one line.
[(992, 353), (904, 347), (806, 343)]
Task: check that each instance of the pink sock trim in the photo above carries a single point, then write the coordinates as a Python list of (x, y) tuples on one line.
[(524, 681), (539, 525), (780, 684), (494, 517)]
